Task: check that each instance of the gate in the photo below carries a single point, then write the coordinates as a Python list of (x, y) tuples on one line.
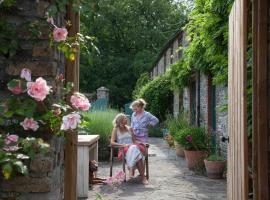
[(237, 112)]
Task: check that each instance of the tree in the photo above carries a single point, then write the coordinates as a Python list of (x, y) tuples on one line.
[(129, 35)]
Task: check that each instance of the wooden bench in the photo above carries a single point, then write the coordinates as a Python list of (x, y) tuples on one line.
[(87, 150)]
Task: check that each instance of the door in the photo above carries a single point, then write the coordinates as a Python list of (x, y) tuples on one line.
[(237, 112)]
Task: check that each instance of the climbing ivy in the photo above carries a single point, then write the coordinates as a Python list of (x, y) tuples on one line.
[(207, 34)]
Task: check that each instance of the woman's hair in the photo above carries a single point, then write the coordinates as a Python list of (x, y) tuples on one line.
[(118, 120), (139, 103)]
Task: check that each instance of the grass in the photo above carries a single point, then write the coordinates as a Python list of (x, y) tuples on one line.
[(100, 123)]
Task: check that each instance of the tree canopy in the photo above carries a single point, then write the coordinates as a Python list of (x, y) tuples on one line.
[(129, 35)]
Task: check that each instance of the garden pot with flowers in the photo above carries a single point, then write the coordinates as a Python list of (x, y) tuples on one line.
[(31, 116), (195, 142), (215, 165)]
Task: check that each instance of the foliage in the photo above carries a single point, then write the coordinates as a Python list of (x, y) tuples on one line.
[(193, 138), (129, 35), (207, 34), (158, 96), (100, 123), (142, 81), (8, 39), (32, 110), (215, 157), (14, 152), (175, 124), (155, 131)]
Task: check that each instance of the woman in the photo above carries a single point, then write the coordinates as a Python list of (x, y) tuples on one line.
[(123, 137), (141, 120)]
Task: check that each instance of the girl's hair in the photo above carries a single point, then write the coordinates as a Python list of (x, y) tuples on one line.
[(118, 120), (139, 103)]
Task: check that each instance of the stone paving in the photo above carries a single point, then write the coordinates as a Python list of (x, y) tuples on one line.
[(170, 179)]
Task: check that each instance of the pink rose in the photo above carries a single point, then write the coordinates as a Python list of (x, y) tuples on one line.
[(79, 101), (60, 34), (26, 74), (38, 90), (17, 89), (10, 139), (29, 123), (70, 121)]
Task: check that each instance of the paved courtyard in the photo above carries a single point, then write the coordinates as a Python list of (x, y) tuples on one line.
[(169, 180)]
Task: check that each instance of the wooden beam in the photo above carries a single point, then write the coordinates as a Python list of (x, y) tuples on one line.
[(260, 99), (72, 75)]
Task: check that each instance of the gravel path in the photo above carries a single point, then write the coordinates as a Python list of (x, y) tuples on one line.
[(169, 180)]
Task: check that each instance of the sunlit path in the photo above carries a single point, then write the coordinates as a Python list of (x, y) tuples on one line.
[(169, 179)]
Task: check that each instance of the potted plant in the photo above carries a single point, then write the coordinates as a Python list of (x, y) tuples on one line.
[(195, 142), (215, 165), (175, 125)]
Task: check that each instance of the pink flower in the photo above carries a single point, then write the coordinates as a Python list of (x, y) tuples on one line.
[(79, 101), (189, 138), (109, 181), (60, 34), (17, 89), (26, 74), (10, 139), (50, 20), (28, 124), (11, 148), (70, 121), (38, 90)]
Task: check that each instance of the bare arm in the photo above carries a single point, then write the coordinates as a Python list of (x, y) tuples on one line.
[(113, 139)]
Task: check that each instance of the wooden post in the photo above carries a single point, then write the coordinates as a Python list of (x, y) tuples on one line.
[(72, 75), (260, 100)]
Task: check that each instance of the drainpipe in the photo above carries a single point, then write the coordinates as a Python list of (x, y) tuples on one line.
[(198, 83)]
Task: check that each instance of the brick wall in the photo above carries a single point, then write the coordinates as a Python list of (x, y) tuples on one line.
[(45, 181)]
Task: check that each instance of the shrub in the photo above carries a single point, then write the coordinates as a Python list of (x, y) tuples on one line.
[(142, 81), (193, 138), (175, 124), (215, 157), (158, 95), (156, 131), (100, 123)]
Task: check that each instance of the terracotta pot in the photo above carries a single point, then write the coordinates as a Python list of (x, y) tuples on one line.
[(214, 169), (179, 150), (193, 157)]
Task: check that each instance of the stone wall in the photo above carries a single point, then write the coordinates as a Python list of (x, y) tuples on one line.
[(45, 181), (186, 99), (222, 116)]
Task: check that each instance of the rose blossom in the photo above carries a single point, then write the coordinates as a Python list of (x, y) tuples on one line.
[(29, 123), (70, 121), (38, 90), (11, 138), (17, 89), (26, 74), (79, 101), (60, 34)]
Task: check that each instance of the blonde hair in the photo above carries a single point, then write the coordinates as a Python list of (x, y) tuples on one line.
[(117, 122), (138, 103)]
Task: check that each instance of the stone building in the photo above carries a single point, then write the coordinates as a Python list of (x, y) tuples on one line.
[(201, 99)]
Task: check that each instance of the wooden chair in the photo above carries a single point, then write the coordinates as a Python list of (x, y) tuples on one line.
[(124, 162)]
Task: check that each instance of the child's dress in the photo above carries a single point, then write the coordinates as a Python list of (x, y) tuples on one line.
[(133, 152)]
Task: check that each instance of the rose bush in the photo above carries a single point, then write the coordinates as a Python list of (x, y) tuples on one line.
[(33, 113)]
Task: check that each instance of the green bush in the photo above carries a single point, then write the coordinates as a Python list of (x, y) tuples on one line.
[(175, 124), (215, 157), (156, 131), (158, 95), (193, 138), (142, 81), (100, 123)]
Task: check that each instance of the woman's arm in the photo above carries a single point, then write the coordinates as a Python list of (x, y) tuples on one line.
[(113, 139), (152, 119)]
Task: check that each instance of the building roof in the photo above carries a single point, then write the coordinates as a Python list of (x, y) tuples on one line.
[(165, 47)]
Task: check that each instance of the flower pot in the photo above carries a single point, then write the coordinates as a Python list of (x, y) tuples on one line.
[(179, 150), (214, 169), (193, 157)]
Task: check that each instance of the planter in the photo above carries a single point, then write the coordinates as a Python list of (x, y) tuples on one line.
[(179, 150), (193, 157), (214, 169)]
